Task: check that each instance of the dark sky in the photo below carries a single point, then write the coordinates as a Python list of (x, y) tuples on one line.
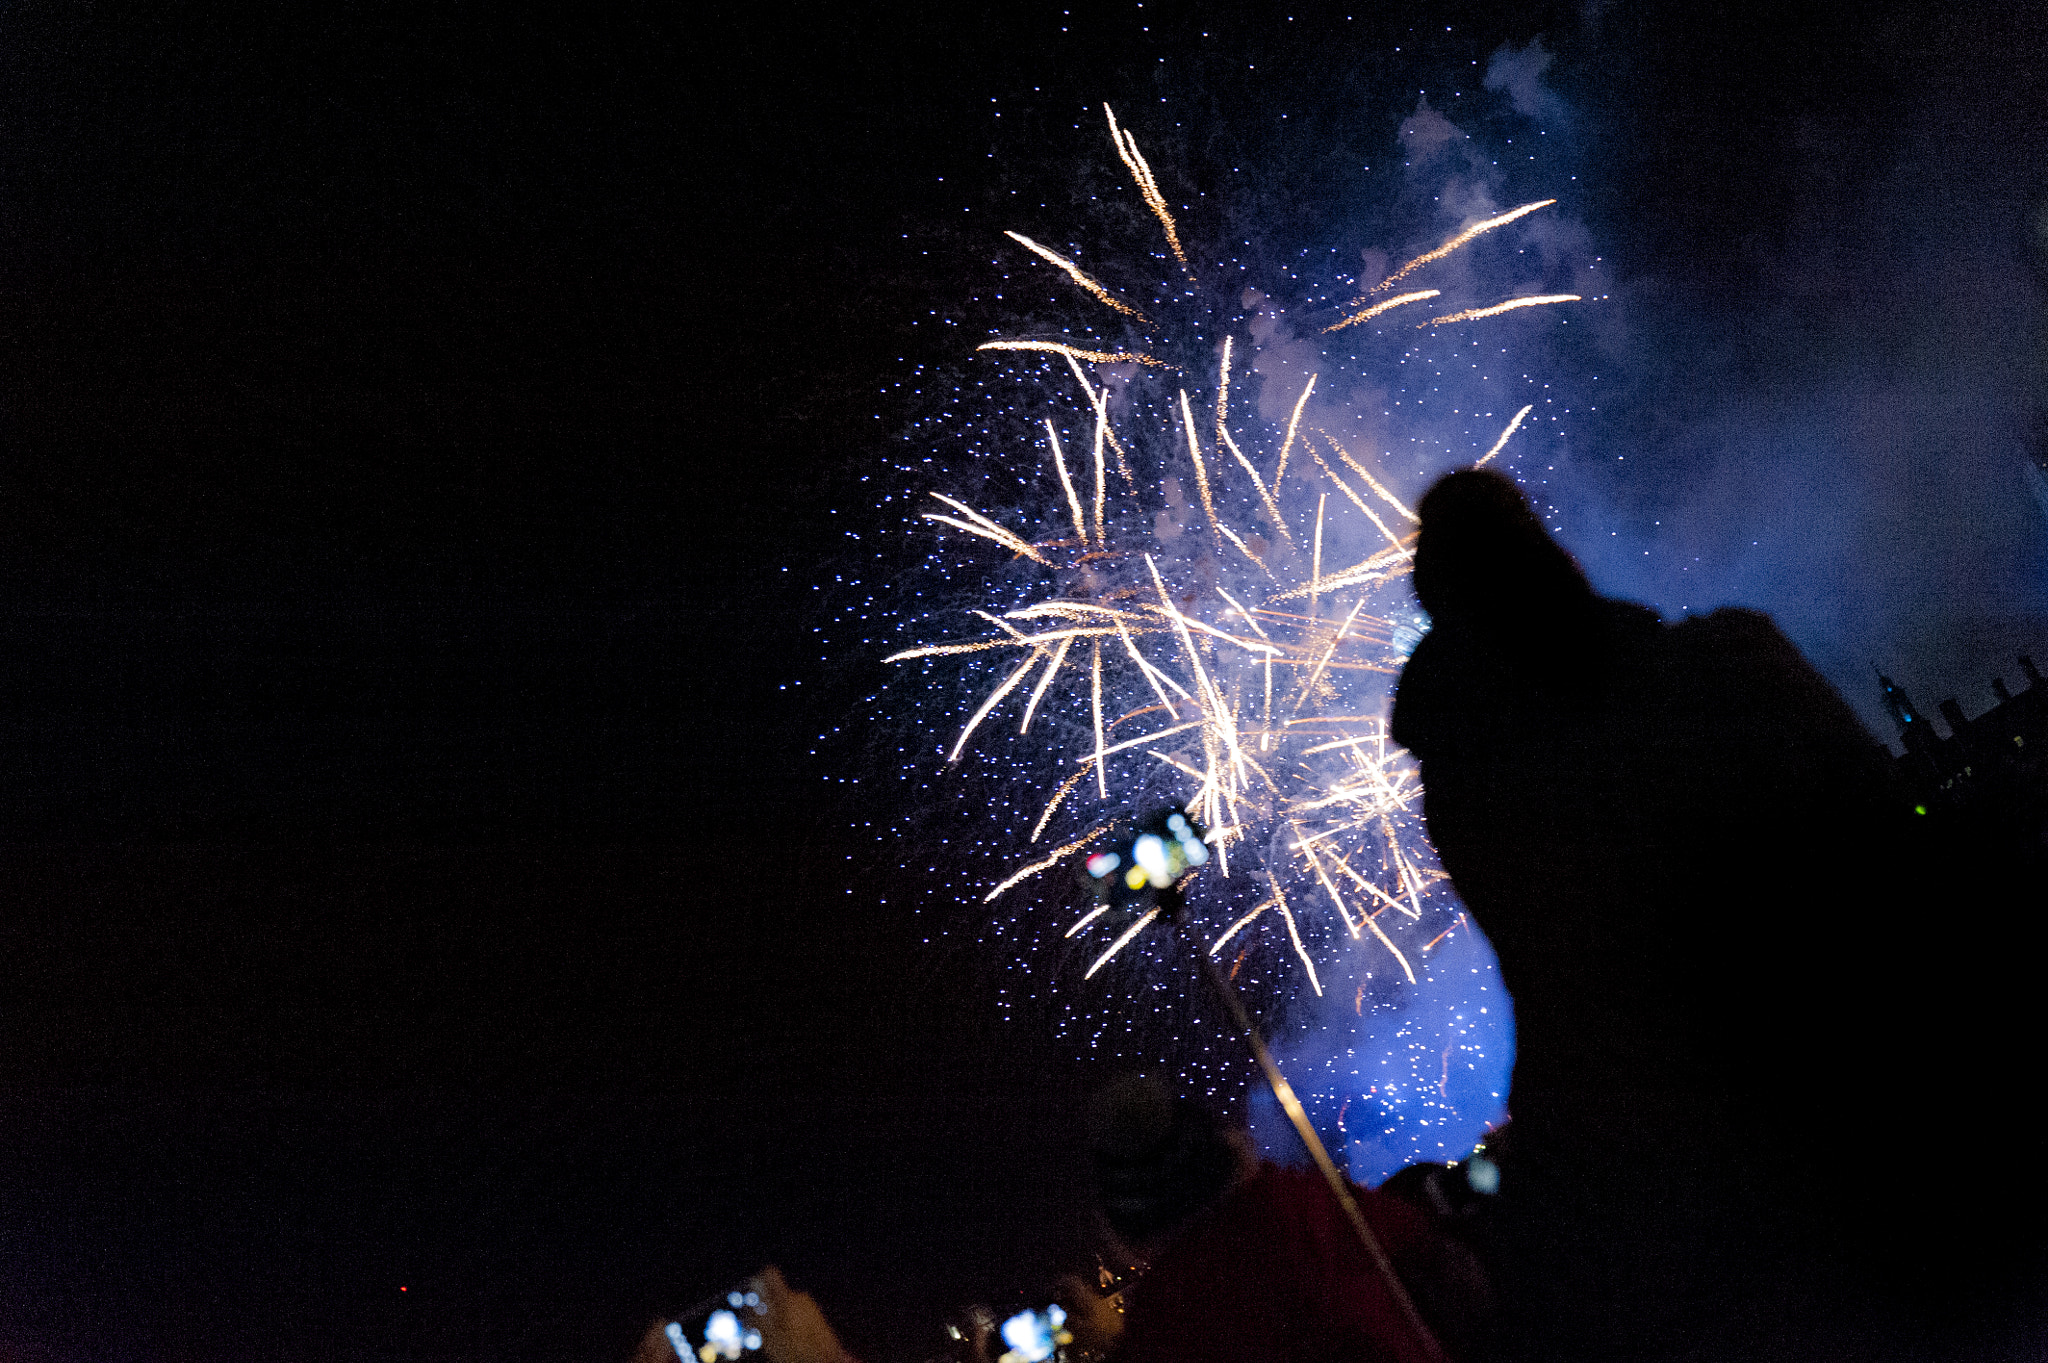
[(413, 864)]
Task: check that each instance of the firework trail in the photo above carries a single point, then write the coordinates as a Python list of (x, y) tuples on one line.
[(1127, 148), (1076, 353), (1075, 273), (1462, 239), (1384, 305), (1236, 648), (1505, 436), (1473, 314)]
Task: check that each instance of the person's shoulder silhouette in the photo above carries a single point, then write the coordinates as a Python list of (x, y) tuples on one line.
[(1607, 791), (1707, 892)]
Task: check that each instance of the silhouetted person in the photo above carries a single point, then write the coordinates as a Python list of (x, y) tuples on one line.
[(1249, 1261), (1723, 931)]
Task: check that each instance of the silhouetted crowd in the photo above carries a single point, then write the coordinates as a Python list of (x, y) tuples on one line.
[(1776, 1036)]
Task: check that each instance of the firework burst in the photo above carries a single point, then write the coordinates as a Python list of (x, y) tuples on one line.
[(1234, 650), (1165, 564)]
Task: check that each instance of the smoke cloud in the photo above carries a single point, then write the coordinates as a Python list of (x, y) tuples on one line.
[(1836, 420)]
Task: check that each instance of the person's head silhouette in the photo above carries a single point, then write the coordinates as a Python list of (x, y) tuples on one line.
[(1483, 559)]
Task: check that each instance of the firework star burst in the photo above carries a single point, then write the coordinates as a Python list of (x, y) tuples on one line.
[(1191, 570)]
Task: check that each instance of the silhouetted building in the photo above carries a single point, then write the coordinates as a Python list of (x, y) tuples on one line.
[(1991, 769)]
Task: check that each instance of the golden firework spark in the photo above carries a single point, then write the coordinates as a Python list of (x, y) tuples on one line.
[(1293, 425), (1474, 314), (995, 698), (1461, 239), (1223, 438), (1074, 272), (1120, 943), (1098, 400), (1059, 459), (1050, 860), (1501, 443), (1195, 454), (1384, 305), (978, 524), (1038, 692), (1356, 500), (1148, 187), (1074, 352)]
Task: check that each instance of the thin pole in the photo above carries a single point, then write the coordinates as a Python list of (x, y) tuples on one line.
[(1340, 1187)]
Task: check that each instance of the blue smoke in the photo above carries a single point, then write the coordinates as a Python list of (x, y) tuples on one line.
[(1392, 1076)]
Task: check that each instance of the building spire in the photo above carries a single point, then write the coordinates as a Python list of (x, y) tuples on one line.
[(1904, 713)]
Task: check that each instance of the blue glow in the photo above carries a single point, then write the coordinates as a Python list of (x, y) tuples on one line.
[(1419, 1078)]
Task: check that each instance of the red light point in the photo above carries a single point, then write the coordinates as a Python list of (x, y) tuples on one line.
[(401, 1289)]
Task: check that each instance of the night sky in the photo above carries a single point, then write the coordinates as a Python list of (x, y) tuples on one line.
[(431, 923)]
